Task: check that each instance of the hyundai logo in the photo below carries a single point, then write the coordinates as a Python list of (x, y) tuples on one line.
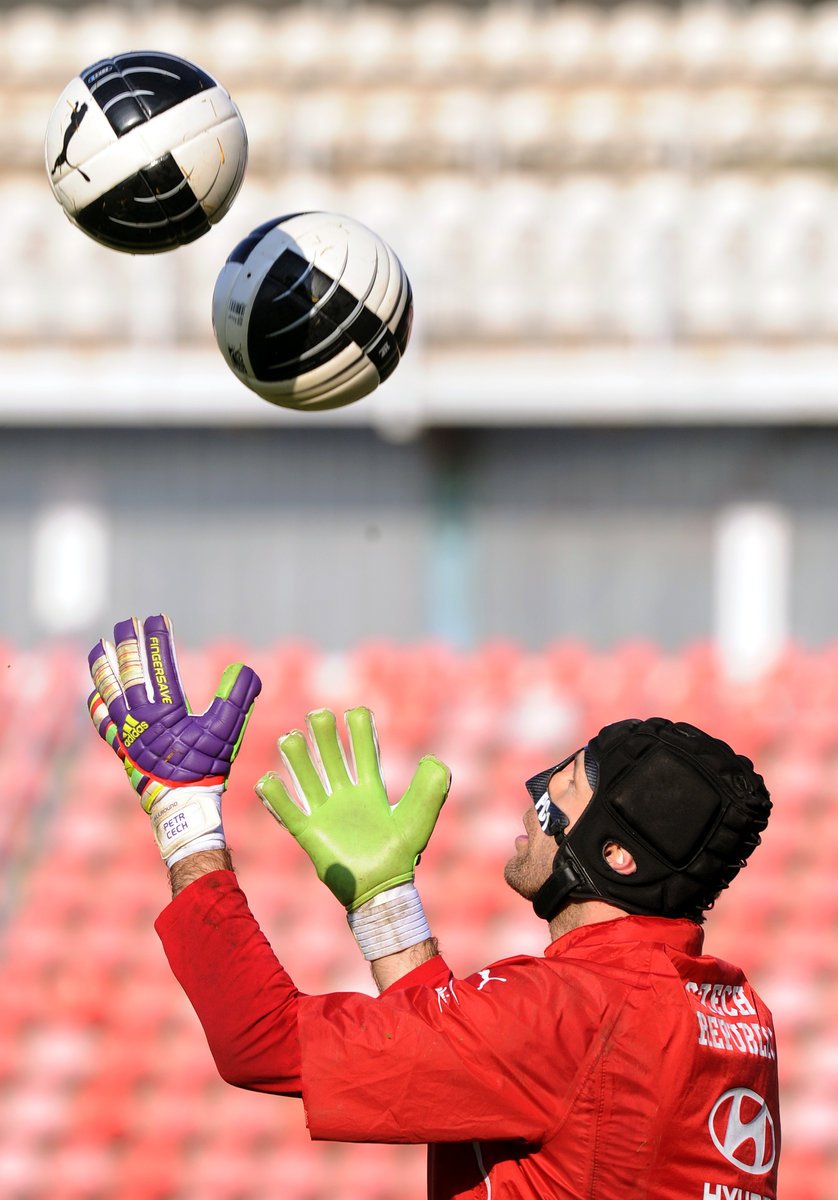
[(742, 1130)]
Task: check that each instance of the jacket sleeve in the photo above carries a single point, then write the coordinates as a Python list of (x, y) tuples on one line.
[(501, 1055), (245, 999)]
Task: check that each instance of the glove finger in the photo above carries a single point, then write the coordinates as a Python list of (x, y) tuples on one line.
[(132, 671), (297, 757), (364, 742), (104, 671), (274, 795), (323, 729), (238, 688), (230, 711), (162, 675), (417, 811), (101, 718)]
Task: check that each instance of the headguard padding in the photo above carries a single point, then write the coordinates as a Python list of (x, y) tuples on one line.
[(684, 804)]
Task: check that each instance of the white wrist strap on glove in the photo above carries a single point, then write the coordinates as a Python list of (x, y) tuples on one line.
[(393, 920), (185, 820)]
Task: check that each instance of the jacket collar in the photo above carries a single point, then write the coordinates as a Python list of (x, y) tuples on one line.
[(679, 933)]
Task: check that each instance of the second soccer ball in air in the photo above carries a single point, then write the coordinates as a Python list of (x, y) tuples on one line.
[(144, 151), (312, 310)]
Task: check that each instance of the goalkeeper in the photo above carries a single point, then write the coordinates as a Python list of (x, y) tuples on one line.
[(621, 1063)]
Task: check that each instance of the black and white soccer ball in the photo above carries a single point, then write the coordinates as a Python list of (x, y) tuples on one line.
[(312, 310), (144, 151)]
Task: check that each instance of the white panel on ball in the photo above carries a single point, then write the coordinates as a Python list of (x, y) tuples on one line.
[(77, 131), (213, 161), (174, 132)]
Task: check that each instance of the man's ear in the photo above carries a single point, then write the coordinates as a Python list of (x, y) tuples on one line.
[(619, 859)]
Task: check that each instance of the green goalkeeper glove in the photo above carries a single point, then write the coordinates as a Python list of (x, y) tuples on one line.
[(363, 849)]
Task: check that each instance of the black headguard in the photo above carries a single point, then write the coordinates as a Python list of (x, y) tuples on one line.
[(687, 807)]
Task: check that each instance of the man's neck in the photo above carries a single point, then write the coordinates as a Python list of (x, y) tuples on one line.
[(577, 913)]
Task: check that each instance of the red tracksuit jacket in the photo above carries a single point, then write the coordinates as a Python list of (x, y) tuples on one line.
[(621, 1064)]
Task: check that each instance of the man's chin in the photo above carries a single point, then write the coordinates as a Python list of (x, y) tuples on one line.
[(515, 875)]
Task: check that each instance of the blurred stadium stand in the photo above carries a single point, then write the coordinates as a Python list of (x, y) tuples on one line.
[(106, 1084), (621, 224), (559, 180)]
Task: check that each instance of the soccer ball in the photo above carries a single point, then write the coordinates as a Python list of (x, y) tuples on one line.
[(312, 311), (145, 151)]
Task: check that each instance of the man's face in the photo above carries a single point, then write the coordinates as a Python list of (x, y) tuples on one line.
[(532, 862)]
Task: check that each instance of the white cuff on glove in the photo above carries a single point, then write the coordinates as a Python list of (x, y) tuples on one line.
[(393, 920), (185, 820)]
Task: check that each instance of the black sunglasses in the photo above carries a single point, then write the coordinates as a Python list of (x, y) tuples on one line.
[(551, 818)]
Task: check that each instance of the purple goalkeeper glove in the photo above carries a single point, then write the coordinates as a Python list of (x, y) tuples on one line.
[(176, 761)]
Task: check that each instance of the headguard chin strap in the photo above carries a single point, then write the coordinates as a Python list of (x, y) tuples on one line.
[(684, 804)]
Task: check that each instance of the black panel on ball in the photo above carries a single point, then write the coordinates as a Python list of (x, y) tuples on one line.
[(153, 210), (405, 325), (242, 251), (387, 353), (301, 319), (133, 88), (284, 325)]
